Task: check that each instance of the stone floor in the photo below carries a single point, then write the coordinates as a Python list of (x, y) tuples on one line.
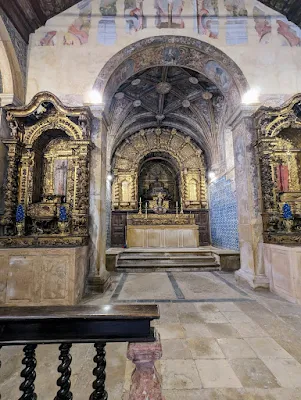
[(220, 341)]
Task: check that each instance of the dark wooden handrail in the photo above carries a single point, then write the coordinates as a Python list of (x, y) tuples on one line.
[(66, 325)]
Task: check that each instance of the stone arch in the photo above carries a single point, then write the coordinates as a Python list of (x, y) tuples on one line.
[(13, 73), (177, 51)]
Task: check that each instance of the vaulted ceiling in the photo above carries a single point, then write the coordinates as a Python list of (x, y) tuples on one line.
[(172, 97), (29, 15)]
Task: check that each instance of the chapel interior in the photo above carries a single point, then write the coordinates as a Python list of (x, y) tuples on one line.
[(150, 199)]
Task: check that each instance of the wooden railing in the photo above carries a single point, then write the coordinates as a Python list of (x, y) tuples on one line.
[(32, 326)]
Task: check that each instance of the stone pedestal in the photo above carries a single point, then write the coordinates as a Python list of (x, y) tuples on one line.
[(283, 269), (42, 276), (146, 383)]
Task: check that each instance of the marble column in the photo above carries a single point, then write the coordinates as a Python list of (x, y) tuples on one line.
[(146, 382), (248, 188), (99, 278)]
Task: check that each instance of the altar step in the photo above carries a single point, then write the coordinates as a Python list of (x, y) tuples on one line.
[(162, 261)]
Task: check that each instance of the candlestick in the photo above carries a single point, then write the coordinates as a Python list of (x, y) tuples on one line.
[(181, 212), (177, 208), (146, 209), (140, 206)]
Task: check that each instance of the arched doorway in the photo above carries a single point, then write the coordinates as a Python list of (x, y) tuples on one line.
[(171, 82)]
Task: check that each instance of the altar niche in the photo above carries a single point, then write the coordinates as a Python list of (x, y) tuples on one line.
[(161, 171), (279, 149), (159, 182), (47, 196)]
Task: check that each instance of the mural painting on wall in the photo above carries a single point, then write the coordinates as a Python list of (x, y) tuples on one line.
[(262, 25), (215, 72), (207, 18), (49, 39), (169, 14), (290, 33), (237, 22), (107, 27), (78, 31), (133, 14)]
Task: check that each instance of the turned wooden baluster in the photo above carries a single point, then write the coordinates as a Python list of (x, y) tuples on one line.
[(64, 369), (28, 373), (100, 373)]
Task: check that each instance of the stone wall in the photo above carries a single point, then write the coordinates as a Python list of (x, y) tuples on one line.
[(223, 214)]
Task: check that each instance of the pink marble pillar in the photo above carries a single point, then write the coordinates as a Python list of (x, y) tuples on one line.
[(146, 382)]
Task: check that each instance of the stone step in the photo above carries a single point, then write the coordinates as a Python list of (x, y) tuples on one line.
[(151, 255), (163, 257), (169, 269), (166, 263)]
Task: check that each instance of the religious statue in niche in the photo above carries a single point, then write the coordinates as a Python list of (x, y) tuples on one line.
[(125, 191), (193, 185), (60, 177), (133, 14), (106, 27), (78, 32), (237, 22), (168, 13), (207, 12), (262, 25)]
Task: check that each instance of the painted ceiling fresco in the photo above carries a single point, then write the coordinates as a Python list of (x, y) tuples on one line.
[(29, 15)]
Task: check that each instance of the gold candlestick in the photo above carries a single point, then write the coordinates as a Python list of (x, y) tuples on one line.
[(177, 208), (140, 206), (146, 209)]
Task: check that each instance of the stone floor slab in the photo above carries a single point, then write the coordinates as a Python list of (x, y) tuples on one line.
[(253, 373), (267, 347), (286, 371), (197, 330), (204, 348), (175, 349), (180, 374), (171, 331), (217, 374), (223, 330), (236, 348)]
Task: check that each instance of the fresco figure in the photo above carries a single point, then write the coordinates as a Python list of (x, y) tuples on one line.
[(78, 32), (107, 26), (208, 24), (49, 39), (236, 8), (133, 14), (262, 25), (168, 14), (218, 75), (290, 32)]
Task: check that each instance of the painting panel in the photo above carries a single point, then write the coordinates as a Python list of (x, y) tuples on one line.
[(133, 14), (78, 31), (60, 177), (207, 18), (237, 22), (106, 26), (169, 14)]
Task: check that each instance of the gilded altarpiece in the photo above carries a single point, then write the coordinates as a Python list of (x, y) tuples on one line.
[(47, 174), (159, 143), (279, 150)]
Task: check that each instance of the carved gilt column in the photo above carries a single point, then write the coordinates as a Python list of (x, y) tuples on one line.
[(248, 188), (99, 278)]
